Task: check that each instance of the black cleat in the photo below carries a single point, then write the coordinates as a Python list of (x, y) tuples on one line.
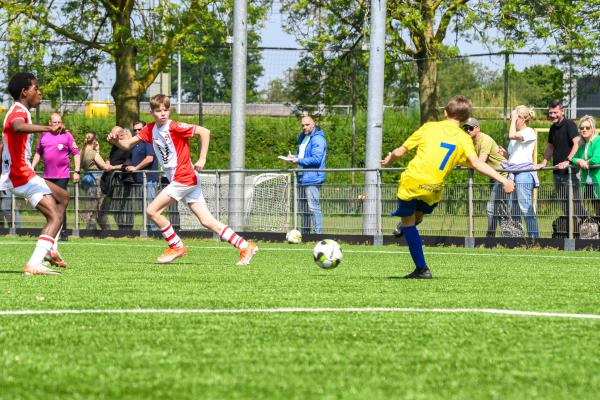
[(398, 232), (419, 274)]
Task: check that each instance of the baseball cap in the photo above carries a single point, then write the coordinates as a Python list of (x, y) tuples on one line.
[(471, 122)]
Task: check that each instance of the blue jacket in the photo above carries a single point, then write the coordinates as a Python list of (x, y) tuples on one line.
[(314, 157)]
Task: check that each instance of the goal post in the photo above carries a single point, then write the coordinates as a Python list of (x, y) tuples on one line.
[(266, 202)]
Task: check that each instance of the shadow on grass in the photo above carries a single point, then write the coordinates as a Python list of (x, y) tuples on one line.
[(11, 272)]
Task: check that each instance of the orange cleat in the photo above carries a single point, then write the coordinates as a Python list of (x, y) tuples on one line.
[(171, 254), (39, 270), (247, 254), (54, 258)]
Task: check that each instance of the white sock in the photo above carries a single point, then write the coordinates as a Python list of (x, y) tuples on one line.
[(171, 236), (236, 240), (43, 245)]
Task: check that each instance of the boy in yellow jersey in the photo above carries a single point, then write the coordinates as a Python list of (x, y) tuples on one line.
[(440, 147)]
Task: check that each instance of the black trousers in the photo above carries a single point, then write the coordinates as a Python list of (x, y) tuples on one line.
[(61, 183)]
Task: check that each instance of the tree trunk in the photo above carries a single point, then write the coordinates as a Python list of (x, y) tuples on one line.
[(126, 91), (428, 89)]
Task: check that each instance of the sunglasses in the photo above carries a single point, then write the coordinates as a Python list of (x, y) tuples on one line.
[(137, 130), (468, 128), (585, 128)]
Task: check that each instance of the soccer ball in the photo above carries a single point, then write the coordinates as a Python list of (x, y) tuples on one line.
[(294, 236), (328, 254)]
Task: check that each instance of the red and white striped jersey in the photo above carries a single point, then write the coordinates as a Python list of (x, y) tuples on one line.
[(172, 148), (16, 154)]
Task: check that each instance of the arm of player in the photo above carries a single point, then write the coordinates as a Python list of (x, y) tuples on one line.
[(485, 169), (19, 126), (204, 142), (393, 155), (125, 144)]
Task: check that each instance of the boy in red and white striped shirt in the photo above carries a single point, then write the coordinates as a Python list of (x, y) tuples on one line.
[(170, 140), (19, 178)]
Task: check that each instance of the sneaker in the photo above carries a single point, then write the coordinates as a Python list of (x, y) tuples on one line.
[(398, 232), (53, 257), (247, 254), (419, 274), (171, 253), (39, 270)]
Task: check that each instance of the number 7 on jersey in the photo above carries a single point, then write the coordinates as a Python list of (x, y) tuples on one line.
[(450, 147)]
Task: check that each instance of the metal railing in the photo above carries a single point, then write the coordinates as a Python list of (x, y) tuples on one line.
[(274, 201)]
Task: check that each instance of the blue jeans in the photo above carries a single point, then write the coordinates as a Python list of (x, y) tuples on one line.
[(310, 208), (150, 196), (522, 202)]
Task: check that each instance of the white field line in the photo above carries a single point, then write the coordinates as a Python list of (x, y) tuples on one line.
[(428, 252), (308, 310)]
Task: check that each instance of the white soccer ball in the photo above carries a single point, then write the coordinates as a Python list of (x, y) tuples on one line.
[(327, 254), (294, 236)]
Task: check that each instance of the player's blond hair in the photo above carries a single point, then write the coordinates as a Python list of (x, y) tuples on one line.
[(160, 100), (459, 108)]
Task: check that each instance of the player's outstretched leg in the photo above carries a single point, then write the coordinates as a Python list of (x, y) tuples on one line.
[(47, 206), (247, 249), (176, 247)]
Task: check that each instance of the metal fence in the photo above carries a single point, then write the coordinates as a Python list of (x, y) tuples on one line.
[(275, 202)]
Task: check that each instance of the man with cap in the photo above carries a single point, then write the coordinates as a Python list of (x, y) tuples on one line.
[(490, 153)]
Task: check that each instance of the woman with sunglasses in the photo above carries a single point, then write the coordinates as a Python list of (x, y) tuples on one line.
[(587, 157)]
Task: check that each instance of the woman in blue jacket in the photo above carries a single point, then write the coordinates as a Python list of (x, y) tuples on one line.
[(311, 154)]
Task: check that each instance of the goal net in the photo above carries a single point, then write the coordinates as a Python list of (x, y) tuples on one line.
[(266, 202)]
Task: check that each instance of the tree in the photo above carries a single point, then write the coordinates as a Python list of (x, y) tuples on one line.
[(217, 72), (417, 28), (139, 41)]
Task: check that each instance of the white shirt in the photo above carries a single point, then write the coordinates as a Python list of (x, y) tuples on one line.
[(302, 148), (522, 152)]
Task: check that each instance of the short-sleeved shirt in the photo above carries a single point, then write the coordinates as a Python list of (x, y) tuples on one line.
[(138, 153), (54, 149), (484, 144), (561, 137), (440, 147), (16, 154), (520, 152), (171, 145)]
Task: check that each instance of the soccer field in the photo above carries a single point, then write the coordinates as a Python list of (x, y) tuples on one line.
[(492, 324)]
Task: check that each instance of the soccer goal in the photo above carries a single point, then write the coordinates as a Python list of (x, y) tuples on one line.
[(266, 202)]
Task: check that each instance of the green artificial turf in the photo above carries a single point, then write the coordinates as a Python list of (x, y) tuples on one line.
[(318, 354)]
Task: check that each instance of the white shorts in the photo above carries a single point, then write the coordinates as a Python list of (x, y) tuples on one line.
[(189, 194), (33, 191)]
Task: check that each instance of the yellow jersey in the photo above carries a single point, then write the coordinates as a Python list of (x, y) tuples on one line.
[(440, 147)]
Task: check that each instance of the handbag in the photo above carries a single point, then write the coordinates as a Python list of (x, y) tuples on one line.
[(88, 181)]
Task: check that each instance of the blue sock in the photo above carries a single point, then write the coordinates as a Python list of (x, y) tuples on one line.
[(413, 239)]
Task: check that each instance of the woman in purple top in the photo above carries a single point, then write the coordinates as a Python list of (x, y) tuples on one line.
[(54, 150)]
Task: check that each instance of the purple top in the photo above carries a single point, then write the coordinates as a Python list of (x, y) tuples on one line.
[(54, 149)]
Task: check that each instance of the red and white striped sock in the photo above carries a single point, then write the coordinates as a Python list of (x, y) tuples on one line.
[(43, 245), (236, 240), (171, 237)]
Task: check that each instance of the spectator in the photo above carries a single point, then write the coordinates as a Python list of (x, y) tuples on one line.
[(143, 158), (312, 152), (113, 187), (490, 153), (520, 162), (563, 141), (588, 155), (54, 149), (92, 165)]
